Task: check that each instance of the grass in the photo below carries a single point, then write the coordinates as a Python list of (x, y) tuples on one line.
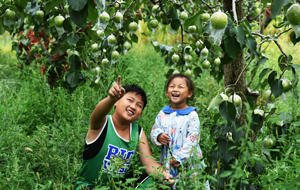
[(53, 123)]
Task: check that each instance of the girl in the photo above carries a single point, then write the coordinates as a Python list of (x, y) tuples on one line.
[(177, 127)]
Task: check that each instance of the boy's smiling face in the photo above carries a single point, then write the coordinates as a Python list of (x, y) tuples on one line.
[(130, 106)]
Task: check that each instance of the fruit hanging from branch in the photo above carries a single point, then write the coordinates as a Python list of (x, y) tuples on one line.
[(59, 20), (293, 16)]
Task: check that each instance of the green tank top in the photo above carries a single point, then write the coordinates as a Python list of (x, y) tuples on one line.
[(112, 159)]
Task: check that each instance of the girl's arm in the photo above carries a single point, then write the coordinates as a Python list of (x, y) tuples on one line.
[(191, 141), (156, 131)]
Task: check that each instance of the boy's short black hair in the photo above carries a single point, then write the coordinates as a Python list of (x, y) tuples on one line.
[(138, 91), (189, 82)]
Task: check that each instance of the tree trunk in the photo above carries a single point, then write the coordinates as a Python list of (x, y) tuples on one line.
[(233, 69)]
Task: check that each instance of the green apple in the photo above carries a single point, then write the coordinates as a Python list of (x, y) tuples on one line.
[(98, 70), (39, 14), (175, 58), (183, 15), (199, 44), (59, 20), (100, 33), (176, 72), (217, 61), (118, 17), (267, 95), (224, 97), (104, 17), (205, 17), (218, 20), (155, 9), (115, 55), (9, 14), (192, 29), (104, 61), (154, 24), (188, 58), (133, 26), (97, 81), (259, 112), (287, 85), (293, 14), (268, 142), (188, 73), (237, 100), (205, 64), (112, 39), (127, 45), (204, 52), (95, 47)]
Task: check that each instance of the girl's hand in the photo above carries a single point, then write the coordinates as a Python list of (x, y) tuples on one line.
[(174, 162), (164, 139), (117, 91)]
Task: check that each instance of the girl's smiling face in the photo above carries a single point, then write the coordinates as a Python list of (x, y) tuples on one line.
[(178, 92)]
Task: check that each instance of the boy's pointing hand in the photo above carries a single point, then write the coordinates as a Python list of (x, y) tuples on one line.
[(117, 91)]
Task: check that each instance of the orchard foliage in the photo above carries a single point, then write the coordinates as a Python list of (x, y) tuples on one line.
[(66, 37)]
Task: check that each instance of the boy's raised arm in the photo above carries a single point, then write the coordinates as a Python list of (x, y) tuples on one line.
[(98, 117)]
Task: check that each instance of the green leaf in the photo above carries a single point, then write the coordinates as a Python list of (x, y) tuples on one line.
[(2, 30), (293, 38), (67, 24), (79, 17), (226, 173), (175, 24), (246, 27), (271, 77), (225, 150), (156, 46), (232, 47), (277, 87), (251, 44), (77, 5), (93, 35), (194, 20), (266, 1), (237, 132), (215, 158), (49, 6), (197, 71), (257, 122), (276, 7), (134, 38), (75, 63), (215, 102), (258, 168), (286, 117), (100, 4), (93, 13), (72, 39), (227, 111), (72, 79), (241, 36), (173, 13), (101, 188), (262, 60)]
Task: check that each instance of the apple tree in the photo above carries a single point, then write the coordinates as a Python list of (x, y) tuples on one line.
[(222, 38)]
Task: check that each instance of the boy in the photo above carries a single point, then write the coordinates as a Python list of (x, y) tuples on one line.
[(109, 137)]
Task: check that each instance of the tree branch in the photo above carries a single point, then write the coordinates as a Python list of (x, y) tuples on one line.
[(239, 75)]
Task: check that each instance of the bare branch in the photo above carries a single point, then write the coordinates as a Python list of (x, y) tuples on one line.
[(210, 7), (239, 75), (283, 32)]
